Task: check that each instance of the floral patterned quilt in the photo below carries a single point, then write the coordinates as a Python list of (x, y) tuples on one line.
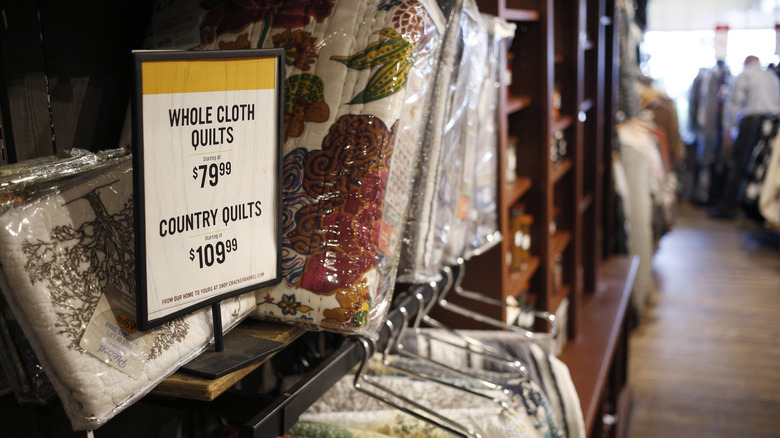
[(357, 75)]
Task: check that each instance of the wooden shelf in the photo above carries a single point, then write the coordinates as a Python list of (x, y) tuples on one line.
[(586, 105), (519, 279), (520, 15), (517, 103), (559, 242), (559, 169), (585, 203), (187, 386), (602, 315), (588, 45), (561, 123), (554, 299), (517, 188)]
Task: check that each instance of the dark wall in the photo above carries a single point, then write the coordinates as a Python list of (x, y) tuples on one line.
[(67, 73)]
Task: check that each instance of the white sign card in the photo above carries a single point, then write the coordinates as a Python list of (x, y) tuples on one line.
[(207, 149)]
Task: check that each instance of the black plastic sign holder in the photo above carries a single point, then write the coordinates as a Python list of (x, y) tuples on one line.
[(233, 351), (229, 353)]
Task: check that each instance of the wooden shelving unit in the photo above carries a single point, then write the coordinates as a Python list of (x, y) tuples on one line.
[(517, 103), (562, 65), (596, 359), (559, 170), (518, 279), (517, 188), (557, 88)]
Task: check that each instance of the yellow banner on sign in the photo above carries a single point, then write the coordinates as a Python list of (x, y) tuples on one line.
[(193, 76)]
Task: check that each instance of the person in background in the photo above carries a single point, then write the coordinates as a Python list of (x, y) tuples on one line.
[(754, 98), (705, 117)]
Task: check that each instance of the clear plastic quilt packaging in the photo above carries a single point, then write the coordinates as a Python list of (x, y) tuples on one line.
[(436, 193), (67, 273), (356, 90)]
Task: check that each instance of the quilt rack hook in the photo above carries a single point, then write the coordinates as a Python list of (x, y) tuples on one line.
[(455, 275), (415, 409)]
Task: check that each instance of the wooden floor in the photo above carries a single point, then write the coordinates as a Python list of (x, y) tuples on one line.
[(705, 359)]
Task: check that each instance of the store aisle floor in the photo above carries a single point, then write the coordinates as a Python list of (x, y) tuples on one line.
[(705, 359)]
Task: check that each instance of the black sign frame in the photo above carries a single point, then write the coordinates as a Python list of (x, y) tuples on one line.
[(139, 58)]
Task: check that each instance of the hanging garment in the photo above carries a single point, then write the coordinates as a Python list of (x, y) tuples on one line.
[(628, 68), (705, 111), (663, 113), (751, 187), (636, 148), (68, 275), (622, 227), (769, 200), (707, 99)]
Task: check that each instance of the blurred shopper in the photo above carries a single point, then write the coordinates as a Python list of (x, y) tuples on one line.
[(754, 98)]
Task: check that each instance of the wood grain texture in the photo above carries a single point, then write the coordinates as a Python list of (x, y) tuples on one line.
[(590, 356), (181, 385), (23, 65), (705, 358)]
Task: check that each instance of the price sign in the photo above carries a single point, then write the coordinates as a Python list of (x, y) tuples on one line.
[(207, 147)]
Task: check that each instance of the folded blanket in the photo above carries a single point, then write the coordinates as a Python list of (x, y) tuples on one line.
[(67, 262)]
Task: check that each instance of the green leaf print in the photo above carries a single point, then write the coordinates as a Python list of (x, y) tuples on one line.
[(385, 82), (378, 52), (395, 55)]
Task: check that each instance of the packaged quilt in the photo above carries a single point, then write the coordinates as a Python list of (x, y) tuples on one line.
[(462, 126), (357, 79), (18, 183), (482, 231), (453, 211), (29, 178), (438, 171), (67, 273)]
